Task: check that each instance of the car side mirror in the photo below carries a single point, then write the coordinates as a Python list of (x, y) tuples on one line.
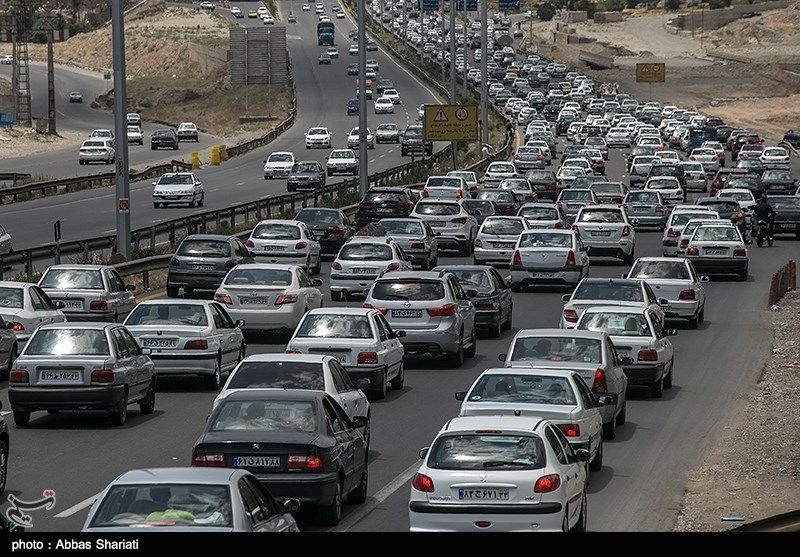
[(672, 332), (400, 334), (663, 302), (424, 452), (316, 282), (471, 293), (130, 287), (239, 323), (60, 305), (565, 298), (146, 351), (363, 384), (360, 421), (461, 395), (604, 400), (582, 455), (626, 361), (154, 183), (705, 278), (502, 357), (290, 506), (476, 213)]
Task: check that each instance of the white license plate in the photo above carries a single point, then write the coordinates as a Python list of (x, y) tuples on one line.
[(273, 248), (600, 233), (716, 252), (254, 301), (384, 210), (257, 461), (546, 275), (365, 271), (504, 246), (159, 343), (201, 267), (482, 494), (437, 224), (641, 209), (65, 376), (407, 313), (342, 359), (77, 304)]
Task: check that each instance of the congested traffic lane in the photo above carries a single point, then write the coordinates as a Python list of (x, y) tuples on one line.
[(322, 92)]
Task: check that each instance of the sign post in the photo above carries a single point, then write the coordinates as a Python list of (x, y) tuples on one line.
[(451, 122), (651, 72), (57, 240)]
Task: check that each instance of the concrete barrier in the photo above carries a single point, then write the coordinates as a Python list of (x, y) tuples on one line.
[(714, 19), (575, 16), (607, 17), (597, 61)]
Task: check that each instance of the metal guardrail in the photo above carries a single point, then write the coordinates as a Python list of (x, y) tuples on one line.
[(13, 176)]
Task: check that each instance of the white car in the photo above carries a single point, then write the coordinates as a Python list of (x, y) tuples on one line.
[(317, 138), (268, 20), (606, 231), (96, 150), (133, 119), (718, 149), (548, 256), (25, 307), (392, 95), (677, 219), (353, 50), (278, 165), (384, 105), (269, 297), (743, 195), (497, 171), (102, 134), (706, 156), (342, 161), (497, 239), (299, 372), (469, 177), (236, 12), (669, 187), (775, 157), (618, 137), (353, 140), (333, 52), (609, 292), (638, 335), (387, 133), (688, 231), (669, 157), (567, 174), (306, 8), (135, 135), (718, 249), (495, 463), (543, 215), (187, 131), (453, 223), (675, 280), (175, 188), (361, 260), (262, 11), (560, 396), (360, 339), (288, 242), (188, 337), (6, 60)]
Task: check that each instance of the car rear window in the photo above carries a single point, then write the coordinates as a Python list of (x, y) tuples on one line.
[(401, 227), (539, 213), (680, 219), (72, 279), (68, 342), (722, 206), (382, 197), (450, 182), (193, 315), (278, 375), (416, 290), (604, 216), (792, 203), (523, 388), (545, 240), (622, 292), (276, 232), (485, 207), (716, 234), (616, 324), (605, 187), (318, 216), (334, 326), (573, 195), (284, 416), (505, 227), (557, 349), (11, 297), (498, 196), (484, 452), (363, 251), (660, 269), (473, 279), (204, 248), (441, 209), (642, 197)]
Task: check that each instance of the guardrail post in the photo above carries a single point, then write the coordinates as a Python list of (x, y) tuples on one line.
[(2, 268), (28, 263), (153, 239), (233, 219), (203, 224), (146, 280), (793, 274), (172, 234)]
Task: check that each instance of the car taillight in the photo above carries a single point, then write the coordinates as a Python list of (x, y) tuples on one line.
[(336, 231), (422, 483), (285, 299), (571, 258), (301, 245), (687, 294), (478, 243), (370, 306), (672, 233), (626, 230), (714, 158), (483, 304), (425, 192), (367, 357), (417, 245), (303, 462), (548, 483), (659, 208), (559, 224), (648, 356), (447, 310), (102, 376), (209, 460), (198, 344), (365, 206), (18, 376), (292, 351), (98, 304), (336, 266), (599, 385), (17, 327), (393, 267), (405, 206), (570, 315), (249, 244), (692, 251), (684, 243), (224, 298), (570, 430), (691, 157), (739, 252), (459, 220), (517, 258)]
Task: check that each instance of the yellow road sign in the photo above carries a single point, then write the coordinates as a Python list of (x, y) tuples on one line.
[(651, 72), (124, 205), (451, 122)]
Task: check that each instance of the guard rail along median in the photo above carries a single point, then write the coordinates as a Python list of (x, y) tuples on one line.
[(784, 280)]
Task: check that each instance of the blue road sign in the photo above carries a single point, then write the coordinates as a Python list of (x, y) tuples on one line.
[(430, 5), (472, 5), (509, 5)]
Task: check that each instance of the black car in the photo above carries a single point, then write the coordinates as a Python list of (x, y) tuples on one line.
[(723, 133), (304, 175), (352, 69), (544, 183), (330, 227), (202, 261), (749, 181), (674, 170), (727, 208), (352, 106), (484, 207), (502, 97), (412, 141), (372, 46), (744, 139), (493, 302), (583, 182), (4, 447), (382, 85), (164, 138), (384, 203), (792, 137), (505, 200), (550, 111), (778, 180), (787, 214), (563, 124), (299, 444)]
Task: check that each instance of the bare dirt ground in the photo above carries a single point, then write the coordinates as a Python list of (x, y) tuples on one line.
[(753, 469)]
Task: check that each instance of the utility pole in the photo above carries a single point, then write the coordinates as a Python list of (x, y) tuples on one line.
[(123, 208), (466, 50), (405, 23), (484, 74), (453, 75), (444, 58), (363, 171), (50, 23)]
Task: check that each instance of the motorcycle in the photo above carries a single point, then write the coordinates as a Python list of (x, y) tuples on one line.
[(765, 232)]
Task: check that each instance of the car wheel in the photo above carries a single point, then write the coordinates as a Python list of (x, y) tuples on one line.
[(507, 324), (318, 267), (465, 249), (668, 377), (627, 259), (120, 413), (470, 352), (565, 522), (457, 358), (597, 462), (397, 382), (192, 203), (3, 465), (610, 429), (657, 388), (156, 205), (148, 403), (202, 200), (516, 287), (172, 291), (332, 514), (379, 391), (693, 322), (702, 316), (212, 382), (622, 414), (580, 526), (22, 417), (359, 494), (743, 275)]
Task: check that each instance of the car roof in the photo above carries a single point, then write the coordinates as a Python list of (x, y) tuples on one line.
[(403, 275), (289, 358), (617, 309), (95, 325), (14, 284), (81, 267), (281, 221), (215, 237), (276, 394), (571, 333), (526, 424), (177, 475), (619, 281), (664, 259), (341, 311), (451, 268), (176, 301)]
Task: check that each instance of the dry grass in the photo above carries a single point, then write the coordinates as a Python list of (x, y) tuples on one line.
[(770, 116)]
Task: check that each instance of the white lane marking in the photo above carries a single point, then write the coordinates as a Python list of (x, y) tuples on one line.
[(381, 156), (5, 412), (240, 183), (384, 493), (391, 150), (371, 160), (78, 507)]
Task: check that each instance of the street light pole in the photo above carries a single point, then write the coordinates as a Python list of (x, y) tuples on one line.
[(120, 131), (453, 83), (484, 74), (363, 171), (464, 17)]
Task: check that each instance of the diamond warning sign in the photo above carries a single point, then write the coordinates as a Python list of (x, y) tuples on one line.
[(451, 122)]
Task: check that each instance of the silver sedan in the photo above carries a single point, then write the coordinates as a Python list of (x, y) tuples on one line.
[(89, 292), (25, 307)]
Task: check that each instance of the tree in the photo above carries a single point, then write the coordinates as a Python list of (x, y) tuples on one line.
[(546, 11), (672, 5)]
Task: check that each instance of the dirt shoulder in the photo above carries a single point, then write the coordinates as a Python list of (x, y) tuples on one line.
[(753, 468)]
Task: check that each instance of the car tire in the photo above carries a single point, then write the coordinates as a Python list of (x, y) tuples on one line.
[(580, 526), (497, 329), (693, 321), (379, 392), (621, 417), (11, 357), (22, 417), (506, 326), (399, 379), (120, 414), (332, 514), (202, 200), (473, 348), (465, 249), (214, 381), (318, 267), (516, 287), (3, 465), (148, 403), (610, 429), (172, 291), (457, 358), (596, 463), (702, 315), (156, 205), (743, 275), (627, 259), (657, 389), (192, 203), (359, 494), (668, 377)]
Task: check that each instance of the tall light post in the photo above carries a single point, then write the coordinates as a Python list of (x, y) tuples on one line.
[(363, 171), (453, 75), (484, 74), (120, 131), (464, 18)]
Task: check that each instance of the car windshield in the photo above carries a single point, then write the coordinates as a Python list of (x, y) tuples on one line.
[(193, 315), (11, 297), (363, 251), (616, 323), (642, 197), (280, 157), (501, 168), (319, 216), (785, 203), (342, 155), (162, 133), (777, 175), (660, 269), (161, 505), (204, 248), (539, 213), (545, 240), (278, 375), (387, 127), (575, 195), (72, 279), (502, 227), (680, 219), (498, 196), (523, 388), (476, 279), (663, 185), (608, 290), (384, 196), (266, 416), (413, 132), (604, 216), (722, 206), (317, 131), (444, 181), (716, 234), (485, 207), (403, 227), (305, 167), (472, 451), (440, 209), (413, 290), (68, 342), (557, 349), (275, 231)]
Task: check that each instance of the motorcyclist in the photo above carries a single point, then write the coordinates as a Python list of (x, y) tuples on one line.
[(763, 211)]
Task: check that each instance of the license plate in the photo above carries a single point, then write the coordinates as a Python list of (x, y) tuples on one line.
[(253, 301), (76, 304), (387, 210), (273, 248), (716, 252), (407, 313), (641, 209), (159, 343), (257, 461), (546, 275), (502, 245), (600, 233), (342, 359), (787, 225), (483, 494), (365, 271), (317, 235), (66, 376), (437, 224), (201, 267)]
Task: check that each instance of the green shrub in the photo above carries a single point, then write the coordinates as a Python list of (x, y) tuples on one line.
[(545, 11), (672, 5), (611, 5)]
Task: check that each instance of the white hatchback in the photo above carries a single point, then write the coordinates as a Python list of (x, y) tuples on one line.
[(384, 105), (288, 242), (278, 165), (361, 260)]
